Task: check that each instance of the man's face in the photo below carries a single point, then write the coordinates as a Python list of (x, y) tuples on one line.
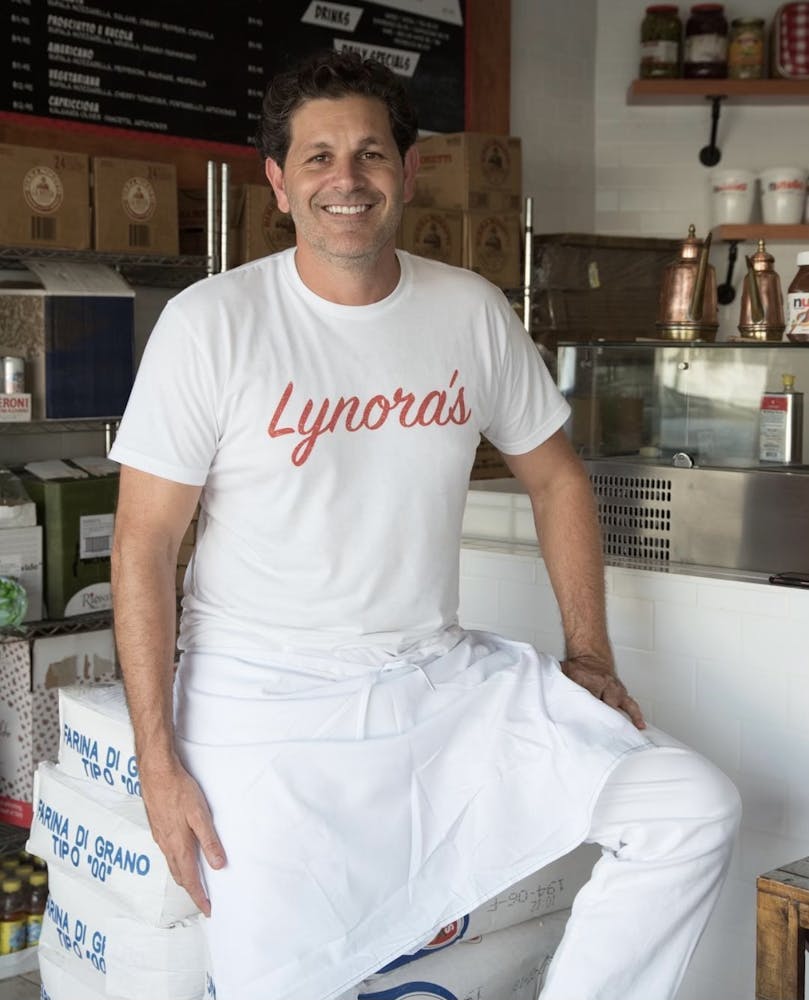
[(344, 181)]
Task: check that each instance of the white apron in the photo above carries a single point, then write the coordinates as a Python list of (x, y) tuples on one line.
[(362, 808)]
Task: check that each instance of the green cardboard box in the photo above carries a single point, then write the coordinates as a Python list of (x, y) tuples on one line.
[(77, 516)]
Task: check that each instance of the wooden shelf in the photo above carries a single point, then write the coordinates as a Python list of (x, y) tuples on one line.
[(698, 91), (759, 231)]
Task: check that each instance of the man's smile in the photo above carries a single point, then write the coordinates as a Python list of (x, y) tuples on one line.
[(346, 209)]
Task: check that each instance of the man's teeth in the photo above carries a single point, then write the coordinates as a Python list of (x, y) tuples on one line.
[(346, 209)]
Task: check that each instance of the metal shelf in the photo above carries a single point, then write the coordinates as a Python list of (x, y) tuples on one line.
[(138, 269), (99, 424), (62, 626)]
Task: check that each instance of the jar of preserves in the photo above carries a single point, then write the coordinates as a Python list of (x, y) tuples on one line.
[(746, 48), (660, 42), (706, 42)]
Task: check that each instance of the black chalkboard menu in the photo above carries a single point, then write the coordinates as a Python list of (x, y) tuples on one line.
[(197, 70)]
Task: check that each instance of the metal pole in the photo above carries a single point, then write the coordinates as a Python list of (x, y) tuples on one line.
[(210, 226), (224, 216), (529, 264)]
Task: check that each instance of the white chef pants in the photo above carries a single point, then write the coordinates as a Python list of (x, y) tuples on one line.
[(666, 821)]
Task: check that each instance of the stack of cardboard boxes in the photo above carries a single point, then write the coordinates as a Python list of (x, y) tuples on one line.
[(466, 206), (61, 200), (71, 201)]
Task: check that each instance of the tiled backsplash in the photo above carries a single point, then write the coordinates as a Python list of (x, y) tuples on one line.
[(720, 663)]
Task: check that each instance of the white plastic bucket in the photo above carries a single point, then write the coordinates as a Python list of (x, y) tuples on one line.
[(783, 195), (733, 195)]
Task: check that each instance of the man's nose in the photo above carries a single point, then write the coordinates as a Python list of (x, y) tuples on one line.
[(348, 174)]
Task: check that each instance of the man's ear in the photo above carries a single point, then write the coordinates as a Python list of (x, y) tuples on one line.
[(411, 168), (275, 175)]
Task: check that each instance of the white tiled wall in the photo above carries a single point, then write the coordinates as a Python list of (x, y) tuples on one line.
[(552, 85), (722, 665)]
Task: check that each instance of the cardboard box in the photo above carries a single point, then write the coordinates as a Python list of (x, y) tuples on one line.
[(21, 559), (590, 287), (17, 509), (15, 407), (256, 226), (433, 233), (106, 950), (102, 838), (471, 171), (134, 206), (493, 246), (46, 198), (192, 221), (31, 673), (263, 227), (77, 516), (73, 324)]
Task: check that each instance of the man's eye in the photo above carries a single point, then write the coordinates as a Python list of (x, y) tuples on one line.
[(371, 154)]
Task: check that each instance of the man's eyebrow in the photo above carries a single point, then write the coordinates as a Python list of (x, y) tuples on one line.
[(363, 143)]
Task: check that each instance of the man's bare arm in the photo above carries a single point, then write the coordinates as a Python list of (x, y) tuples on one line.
[(567, 527), (151, 518)]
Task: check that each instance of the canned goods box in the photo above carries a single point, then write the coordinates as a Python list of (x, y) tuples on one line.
[(134, 206), (433, 232), (76, 510), (31, 674), (97, 942), (493, 246), (263, 228), (102, 838), (471, 171), (73, 326), (46, 198)]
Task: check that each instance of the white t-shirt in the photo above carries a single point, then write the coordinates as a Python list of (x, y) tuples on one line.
[(334, 444)]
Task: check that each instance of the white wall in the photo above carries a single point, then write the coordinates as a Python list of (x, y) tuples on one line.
[(552, 82)]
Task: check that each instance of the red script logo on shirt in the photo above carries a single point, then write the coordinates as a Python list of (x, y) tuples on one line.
[(350, 414)]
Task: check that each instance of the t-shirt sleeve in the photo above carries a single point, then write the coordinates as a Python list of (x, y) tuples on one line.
[(170, 427), (526, 407)]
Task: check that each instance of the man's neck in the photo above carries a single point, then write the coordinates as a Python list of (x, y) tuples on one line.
[(350, 282)]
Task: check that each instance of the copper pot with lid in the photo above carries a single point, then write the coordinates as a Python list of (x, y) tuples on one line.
[(761, 313), (688, 309)]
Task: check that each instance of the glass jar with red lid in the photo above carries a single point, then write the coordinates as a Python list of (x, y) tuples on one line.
[(706, 42), (660, 42)]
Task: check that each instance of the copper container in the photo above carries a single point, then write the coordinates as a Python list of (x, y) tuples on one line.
[(761, 313), (687, 309)]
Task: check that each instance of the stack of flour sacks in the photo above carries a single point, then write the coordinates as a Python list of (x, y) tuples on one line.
[(118, 927)]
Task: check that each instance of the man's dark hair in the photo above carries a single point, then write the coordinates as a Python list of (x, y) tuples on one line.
[(332, 75)]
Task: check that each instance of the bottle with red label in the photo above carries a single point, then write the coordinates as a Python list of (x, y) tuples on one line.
[(781, 425)]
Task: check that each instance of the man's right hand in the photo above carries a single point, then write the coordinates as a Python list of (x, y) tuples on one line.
[(182, 826)]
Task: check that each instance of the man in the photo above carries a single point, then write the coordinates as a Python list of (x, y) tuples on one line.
[(351, 769)]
